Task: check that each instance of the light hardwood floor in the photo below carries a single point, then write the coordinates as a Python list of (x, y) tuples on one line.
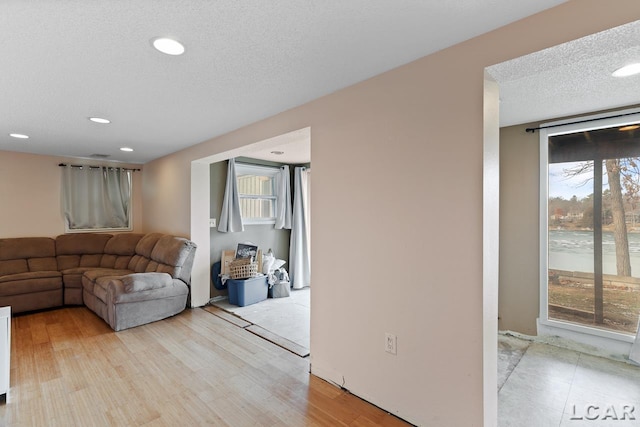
[(68, 368)]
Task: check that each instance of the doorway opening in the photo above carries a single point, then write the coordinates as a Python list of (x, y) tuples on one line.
[(279, 320)]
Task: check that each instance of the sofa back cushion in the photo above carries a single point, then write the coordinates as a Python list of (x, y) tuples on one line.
[(43, 264), (147, 243), (24, 254), (13, 266), (164, 254), (141, 259), (119, 250), (65, 262), (80, 250), (170, 255)]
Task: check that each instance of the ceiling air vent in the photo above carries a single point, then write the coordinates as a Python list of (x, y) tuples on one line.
[(100, 156)]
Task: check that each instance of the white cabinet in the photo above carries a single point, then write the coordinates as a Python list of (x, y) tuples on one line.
[(5, 349)]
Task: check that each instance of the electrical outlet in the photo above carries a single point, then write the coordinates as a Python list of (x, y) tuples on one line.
[(212, 222), (390, 343)]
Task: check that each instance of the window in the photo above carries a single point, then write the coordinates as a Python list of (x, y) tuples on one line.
[(257, 193), (96, 198), (590, 226)]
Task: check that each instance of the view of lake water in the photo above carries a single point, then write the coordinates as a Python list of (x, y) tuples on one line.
[(573, 251)]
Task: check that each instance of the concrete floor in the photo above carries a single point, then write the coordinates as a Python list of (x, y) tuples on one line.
[(553, 386), (287, 317)]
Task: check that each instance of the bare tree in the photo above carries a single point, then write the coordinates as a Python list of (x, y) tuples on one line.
[(631, 184), (621, 174), (623, 262)]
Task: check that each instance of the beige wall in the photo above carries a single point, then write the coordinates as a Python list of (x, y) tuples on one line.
[(30, 195), (519, 229), (397, 217), (165, 193)]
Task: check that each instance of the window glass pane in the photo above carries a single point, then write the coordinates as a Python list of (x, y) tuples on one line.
[(257, 208), (593, 235), (257, 191), (256, 185)]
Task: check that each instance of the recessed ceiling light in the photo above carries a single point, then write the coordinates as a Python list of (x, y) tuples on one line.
[(99, 120), (126, 149), (168, 46), (627, 70), (19, 135), (277, 153), (630, 127)]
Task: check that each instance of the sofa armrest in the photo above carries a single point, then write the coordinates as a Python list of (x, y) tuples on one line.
[(139, 282)]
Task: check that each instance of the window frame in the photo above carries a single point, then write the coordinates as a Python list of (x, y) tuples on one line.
[(258, 170), (584, 123)]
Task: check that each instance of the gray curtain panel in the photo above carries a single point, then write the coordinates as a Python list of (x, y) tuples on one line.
[(299, 250), (96, 197), (283, 204), (231, 217)]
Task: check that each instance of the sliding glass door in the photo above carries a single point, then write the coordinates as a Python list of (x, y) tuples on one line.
[(593, 228)]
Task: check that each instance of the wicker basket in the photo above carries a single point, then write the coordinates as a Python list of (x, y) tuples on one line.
[(243, 269)]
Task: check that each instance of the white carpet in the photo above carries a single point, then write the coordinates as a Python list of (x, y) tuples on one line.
[(287, 317)]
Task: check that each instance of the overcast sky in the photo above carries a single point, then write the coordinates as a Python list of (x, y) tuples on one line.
[(561, 186)]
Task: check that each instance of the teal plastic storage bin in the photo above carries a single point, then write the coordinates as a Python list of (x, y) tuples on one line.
[(247, 291)]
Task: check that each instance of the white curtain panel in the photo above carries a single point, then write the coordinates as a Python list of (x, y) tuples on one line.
[(283, 205), (231, 217), (96, 197), (299, 251)]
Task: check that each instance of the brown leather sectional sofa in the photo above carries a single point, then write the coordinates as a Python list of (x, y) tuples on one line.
[(127, 279)]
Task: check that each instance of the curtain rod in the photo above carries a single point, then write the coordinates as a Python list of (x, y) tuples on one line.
[(532, 130), (98, 167)]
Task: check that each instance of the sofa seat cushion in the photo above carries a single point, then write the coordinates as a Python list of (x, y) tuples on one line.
[(29, 275), (139, 282), (96, 273), (35, 281), (95, 281)]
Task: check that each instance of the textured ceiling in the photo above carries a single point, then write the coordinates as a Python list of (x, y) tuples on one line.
[(63, 61), (571, 78)]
